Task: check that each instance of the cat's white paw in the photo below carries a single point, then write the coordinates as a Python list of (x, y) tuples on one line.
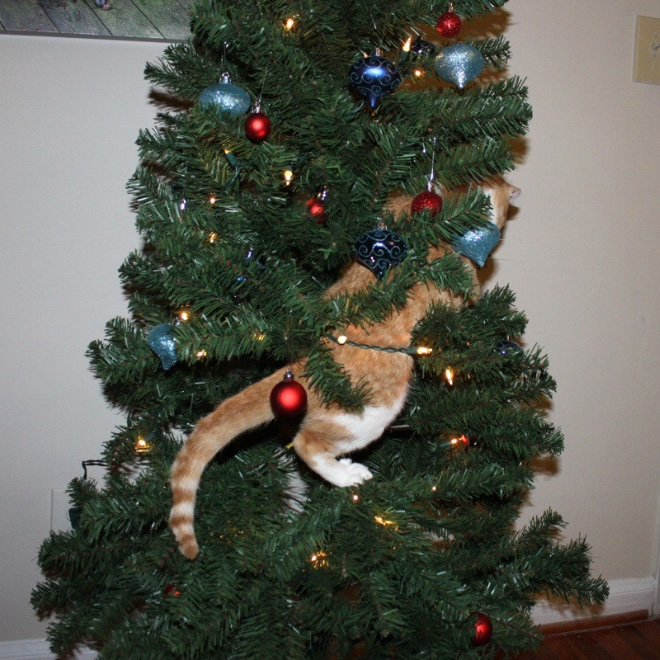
[(342, 472), (354, 473)]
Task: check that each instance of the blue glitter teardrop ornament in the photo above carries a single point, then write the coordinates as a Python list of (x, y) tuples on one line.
[(379, 250), (459, 64), (161, 342), (374, 77), (477, 244), (226, 97)]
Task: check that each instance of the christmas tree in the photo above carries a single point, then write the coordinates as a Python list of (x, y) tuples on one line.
[(290, 133)]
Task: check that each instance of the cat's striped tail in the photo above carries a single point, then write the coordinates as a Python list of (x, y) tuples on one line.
[(246, 410)]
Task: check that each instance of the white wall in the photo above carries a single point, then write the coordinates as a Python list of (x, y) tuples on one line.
[(70, 111), (582, 255)]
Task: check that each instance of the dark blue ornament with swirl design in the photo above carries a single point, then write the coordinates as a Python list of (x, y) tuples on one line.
[(379, 250), (374, 77)]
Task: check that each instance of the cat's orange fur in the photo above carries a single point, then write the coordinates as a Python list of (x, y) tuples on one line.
[(326, 432)]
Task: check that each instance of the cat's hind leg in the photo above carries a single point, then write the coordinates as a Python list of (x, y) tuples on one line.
[(319, 445)]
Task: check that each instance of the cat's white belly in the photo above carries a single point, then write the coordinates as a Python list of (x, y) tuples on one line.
[(367, 426)]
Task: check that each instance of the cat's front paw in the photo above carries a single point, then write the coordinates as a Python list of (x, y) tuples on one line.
[(354, 473)]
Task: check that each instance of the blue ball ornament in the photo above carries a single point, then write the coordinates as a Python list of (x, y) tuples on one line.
[(508, 348), (374, 77), (477, 244), (226, 97), (161, 341), (379, 250), (422, 48), (459, 64)]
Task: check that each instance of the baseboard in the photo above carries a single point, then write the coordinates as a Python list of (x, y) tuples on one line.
[(35, 649), (634, 596), (626, 595)]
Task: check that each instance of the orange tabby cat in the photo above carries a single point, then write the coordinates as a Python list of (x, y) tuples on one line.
[(326, 433)]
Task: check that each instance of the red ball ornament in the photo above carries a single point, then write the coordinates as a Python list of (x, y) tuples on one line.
[(288, 399), (483, 630), (449, 24), (257, 125), (427, 201), (316, 207), (317, 211), (171, 590)]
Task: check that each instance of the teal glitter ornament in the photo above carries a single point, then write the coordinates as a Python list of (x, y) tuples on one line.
[(161, 341), (459, 64), (226, 97), (477, 244)]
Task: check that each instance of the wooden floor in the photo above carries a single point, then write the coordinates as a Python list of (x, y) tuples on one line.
[(135, 19), (632, 641)]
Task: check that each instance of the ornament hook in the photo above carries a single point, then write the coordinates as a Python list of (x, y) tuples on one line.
[(429, 185)]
